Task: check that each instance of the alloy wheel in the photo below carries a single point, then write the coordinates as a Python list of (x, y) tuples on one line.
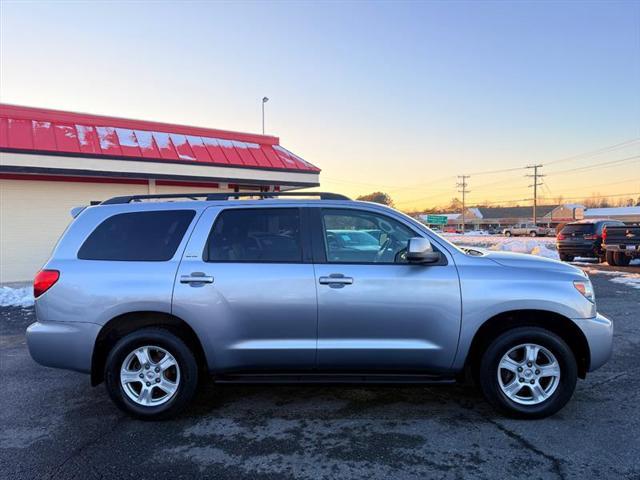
[(150, 376), (528, 374)]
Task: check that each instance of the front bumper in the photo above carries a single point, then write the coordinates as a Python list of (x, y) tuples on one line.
[(599, 334), (67, 345)]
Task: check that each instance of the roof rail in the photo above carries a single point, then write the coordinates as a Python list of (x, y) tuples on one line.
[(208, 196)]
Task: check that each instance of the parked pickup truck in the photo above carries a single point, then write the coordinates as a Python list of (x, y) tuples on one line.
[(622, 244), (526, 229)]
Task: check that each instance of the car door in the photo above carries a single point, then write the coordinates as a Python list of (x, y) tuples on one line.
[(246, 284), (375, 311)]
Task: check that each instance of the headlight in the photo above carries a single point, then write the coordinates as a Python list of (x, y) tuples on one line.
[(585, 288)]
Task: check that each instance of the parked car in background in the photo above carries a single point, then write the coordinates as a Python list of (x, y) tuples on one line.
[(583, 239), (151, 296), (621, 244), (527, 229)]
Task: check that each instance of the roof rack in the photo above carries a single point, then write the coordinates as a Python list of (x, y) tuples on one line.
[(223, 196)]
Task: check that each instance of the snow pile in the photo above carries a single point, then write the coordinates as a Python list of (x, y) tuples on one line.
[(540, 246), (543, 251), (16, 297)]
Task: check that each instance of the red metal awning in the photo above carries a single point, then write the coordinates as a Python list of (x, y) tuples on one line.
[(43, 131)]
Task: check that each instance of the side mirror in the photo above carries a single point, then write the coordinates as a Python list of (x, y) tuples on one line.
[(419, 250)]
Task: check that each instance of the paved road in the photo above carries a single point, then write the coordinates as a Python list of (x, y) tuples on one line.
[(55, 426)]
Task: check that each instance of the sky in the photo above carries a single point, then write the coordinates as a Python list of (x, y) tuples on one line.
[(394, 96)]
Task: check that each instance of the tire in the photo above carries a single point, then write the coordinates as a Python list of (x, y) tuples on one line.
[(611, 258), (161, 347), (621, 259), (564, 257), (533, 234), (559, 389), (507, 233)]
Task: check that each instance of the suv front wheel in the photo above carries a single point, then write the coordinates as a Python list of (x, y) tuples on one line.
[(151, 374), (528, 372)]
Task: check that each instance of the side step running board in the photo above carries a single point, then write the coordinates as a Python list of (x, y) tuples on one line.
[(333, 378)]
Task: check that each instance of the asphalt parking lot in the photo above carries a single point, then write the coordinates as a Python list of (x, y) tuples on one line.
[(54, 425)]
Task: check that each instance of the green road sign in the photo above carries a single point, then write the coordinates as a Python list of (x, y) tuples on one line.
[(437, 219)]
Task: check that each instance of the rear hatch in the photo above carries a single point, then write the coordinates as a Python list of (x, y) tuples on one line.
[(577, 233)]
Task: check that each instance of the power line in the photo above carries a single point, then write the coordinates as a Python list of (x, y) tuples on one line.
[(593, 153), (592, 167), (462, 188)]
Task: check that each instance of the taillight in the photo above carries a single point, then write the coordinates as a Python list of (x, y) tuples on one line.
[(604, 235), (561, 236), (45, 279)]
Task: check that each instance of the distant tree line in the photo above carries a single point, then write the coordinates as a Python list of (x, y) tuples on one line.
[(595, 200)]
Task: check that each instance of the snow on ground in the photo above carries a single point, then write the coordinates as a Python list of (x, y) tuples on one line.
[(624, 278), (16, 297), (541, 246)]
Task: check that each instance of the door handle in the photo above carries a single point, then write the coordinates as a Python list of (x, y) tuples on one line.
[(336, 279), (196, 277)]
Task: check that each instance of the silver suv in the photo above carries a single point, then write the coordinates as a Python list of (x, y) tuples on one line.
[(151, 296)]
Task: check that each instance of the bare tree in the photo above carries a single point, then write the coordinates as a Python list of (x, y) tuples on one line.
[(377, 197)]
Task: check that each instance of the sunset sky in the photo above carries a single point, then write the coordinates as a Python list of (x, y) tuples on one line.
[(398, 97)]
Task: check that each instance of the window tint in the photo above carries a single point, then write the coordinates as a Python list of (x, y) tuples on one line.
[(578, 228), (255, 235), (361, 237), (138, 236)]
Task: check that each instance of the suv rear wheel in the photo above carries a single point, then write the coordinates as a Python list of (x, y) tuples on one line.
[(151, 374), (611, 258), (566, 258), (528, 372)]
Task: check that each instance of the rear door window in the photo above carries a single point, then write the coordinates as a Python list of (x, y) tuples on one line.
[(260, 235), (138, 236)]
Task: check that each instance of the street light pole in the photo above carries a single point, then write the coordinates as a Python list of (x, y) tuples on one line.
[(264, 100)]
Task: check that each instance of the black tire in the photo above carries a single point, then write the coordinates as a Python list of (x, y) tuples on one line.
[(507, 233), (566, 257), (533, 234), (621, 259), (611, 258), (181, 353), (488, 374)]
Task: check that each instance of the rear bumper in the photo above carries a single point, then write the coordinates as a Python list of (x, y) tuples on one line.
[(599, 334), (67, 345), (588, 250)]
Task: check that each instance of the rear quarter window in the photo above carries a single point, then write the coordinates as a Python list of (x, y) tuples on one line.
[(137, 236)]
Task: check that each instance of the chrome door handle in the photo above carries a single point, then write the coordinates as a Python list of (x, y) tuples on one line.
[(335, 279), (196, 277)]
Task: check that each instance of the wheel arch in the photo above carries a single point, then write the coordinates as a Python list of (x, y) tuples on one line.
[(562, 326), (126, 323)]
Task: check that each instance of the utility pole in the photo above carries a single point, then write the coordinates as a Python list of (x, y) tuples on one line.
[(535, 186), (462, 188)]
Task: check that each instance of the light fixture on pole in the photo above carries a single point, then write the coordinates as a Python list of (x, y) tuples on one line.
[(264, 100)]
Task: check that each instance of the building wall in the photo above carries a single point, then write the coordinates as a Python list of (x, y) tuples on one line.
[(33, 215)]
